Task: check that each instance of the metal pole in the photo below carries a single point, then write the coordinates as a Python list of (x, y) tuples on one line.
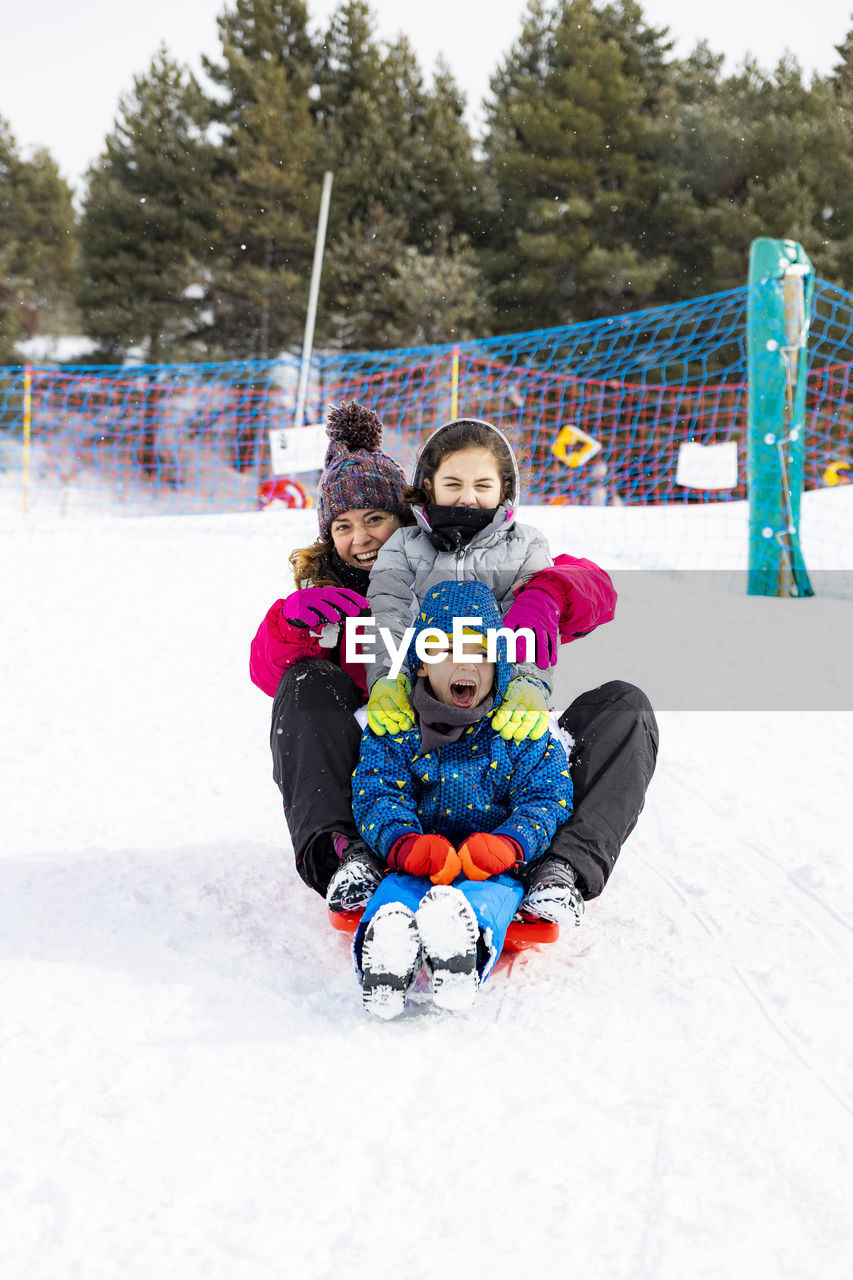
[(319, 245), (796, 330), (454, 384), (28, 417)]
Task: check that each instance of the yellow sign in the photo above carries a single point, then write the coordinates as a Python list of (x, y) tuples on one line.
[(564, 447), (838, 473)]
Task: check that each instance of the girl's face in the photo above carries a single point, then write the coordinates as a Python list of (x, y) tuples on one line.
[(467, 478), (358, 535)]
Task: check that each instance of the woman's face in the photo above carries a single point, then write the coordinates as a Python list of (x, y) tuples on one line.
[(359, 534), (467, 478)]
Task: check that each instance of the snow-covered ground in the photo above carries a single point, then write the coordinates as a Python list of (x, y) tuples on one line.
[(190, 1088)]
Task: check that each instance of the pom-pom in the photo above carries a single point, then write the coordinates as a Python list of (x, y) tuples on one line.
[(356, 426)]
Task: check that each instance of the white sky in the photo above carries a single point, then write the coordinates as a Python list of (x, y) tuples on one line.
[(63, 66)]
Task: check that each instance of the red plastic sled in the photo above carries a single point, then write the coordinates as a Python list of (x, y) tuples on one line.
[(520, 936)]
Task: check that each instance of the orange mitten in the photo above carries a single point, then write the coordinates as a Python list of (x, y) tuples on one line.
[(448, 873), (420, 855), (484, 854)]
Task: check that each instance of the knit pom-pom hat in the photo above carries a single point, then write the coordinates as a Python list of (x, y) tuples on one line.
[(357, 474)]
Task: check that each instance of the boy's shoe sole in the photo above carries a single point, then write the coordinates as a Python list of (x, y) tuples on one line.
[(390, 960), (449, 932)]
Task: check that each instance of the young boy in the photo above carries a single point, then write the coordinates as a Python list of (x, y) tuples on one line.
[(454, 809)]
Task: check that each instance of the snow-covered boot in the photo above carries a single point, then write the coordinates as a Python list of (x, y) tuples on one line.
[(390, 960), (352, 885), (449, 935), (550, 892)]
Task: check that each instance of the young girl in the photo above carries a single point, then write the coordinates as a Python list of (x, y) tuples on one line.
[(463, 497)]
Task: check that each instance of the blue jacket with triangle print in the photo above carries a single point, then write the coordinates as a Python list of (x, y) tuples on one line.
[(480, 783)]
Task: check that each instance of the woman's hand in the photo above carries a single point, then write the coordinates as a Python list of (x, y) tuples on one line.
[(314, 607), (537, 610)]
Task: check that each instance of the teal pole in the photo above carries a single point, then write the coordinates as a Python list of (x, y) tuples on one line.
[(778, 312)]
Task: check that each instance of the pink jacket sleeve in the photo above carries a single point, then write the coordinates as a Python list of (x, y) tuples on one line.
[(583, 591), (275, 648)]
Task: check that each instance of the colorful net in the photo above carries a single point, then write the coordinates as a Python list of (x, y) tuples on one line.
[(599, 414)]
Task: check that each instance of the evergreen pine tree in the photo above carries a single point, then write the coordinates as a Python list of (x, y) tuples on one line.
[(266, 193), (842, 75), (256, 31), (367, 110), (37, 243), (439, 295), (145, 232), (351, 108), (837, 213), (766, 155), (404, 169), (361, 308), (575, 128), (455, 191), (694, 160), (267, 217), (387, 294)]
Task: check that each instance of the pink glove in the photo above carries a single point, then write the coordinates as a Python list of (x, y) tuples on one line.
[(314, 607), (537, 609), (277, 646)]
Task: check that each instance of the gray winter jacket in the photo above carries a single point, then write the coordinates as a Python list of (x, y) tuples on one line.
[(504, 555)]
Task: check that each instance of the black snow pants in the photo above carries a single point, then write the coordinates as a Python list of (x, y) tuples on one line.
[(616, 745), (315, 740)]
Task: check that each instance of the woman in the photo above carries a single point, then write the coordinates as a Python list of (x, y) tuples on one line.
[(315, 737), (297, 657)]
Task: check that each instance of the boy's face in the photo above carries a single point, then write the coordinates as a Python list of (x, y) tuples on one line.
[(460, 684)]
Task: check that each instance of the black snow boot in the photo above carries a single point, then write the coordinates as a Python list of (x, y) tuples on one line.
[(550, 892), (352, 885)]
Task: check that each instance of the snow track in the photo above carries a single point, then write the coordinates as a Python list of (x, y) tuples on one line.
[(190, 1085)]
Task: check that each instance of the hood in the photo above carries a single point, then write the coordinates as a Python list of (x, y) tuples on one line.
[(449, 600), (505, 515)]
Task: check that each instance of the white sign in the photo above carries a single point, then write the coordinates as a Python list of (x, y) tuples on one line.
[(707, 466), (296, 449)]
